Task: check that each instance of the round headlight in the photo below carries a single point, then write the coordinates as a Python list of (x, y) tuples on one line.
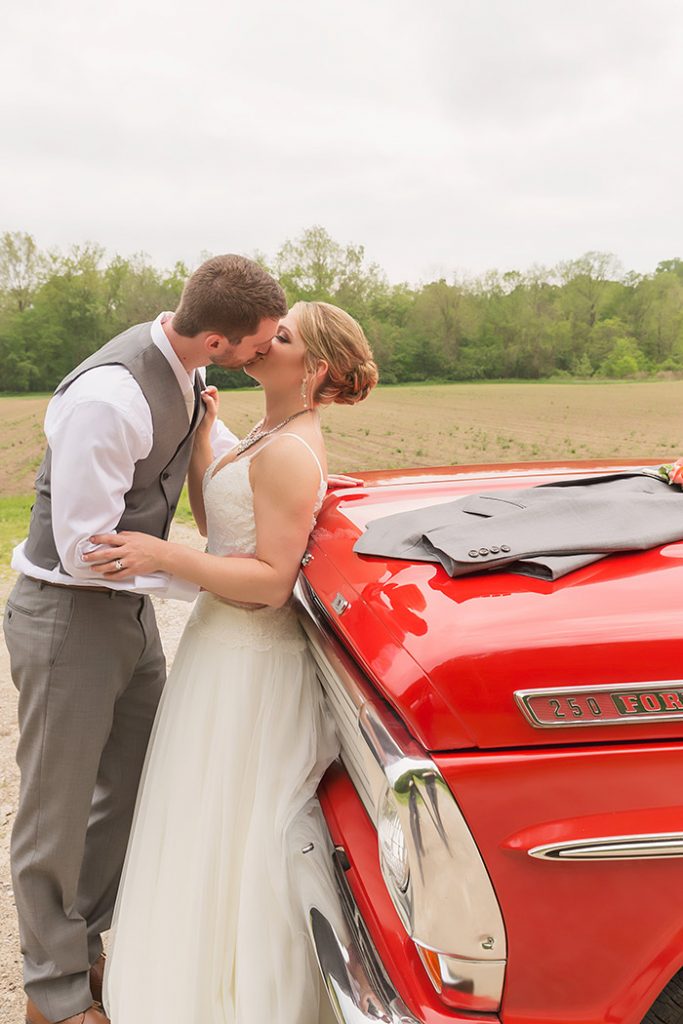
[(392, 846)]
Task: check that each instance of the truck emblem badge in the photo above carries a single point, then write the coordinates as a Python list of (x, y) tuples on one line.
[(340, 604), (602, 705)]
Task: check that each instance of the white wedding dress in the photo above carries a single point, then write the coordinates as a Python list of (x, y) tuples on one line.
[(208, 928)]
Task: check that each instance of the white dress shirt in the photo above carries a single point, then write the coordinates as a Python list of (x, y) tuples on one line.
[(105, 407)]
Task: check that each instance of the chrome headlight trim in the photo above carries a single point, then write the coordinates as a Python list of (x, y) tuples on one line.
[(450, 904)]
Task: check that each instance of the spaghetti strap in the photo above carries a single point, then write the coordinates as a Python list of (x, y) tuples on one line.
[(305, 443)]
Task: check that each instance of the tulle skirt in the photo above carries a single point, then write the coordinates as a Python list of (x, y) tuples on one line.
[(208, 927)]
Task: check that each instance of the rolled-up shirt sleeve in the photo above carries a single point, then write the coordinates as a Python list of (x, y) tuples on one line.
[(94, 451), (95, 446)]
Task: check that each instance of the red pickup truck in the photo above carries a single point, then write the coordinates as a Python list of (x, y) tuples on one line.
[(501, 838)]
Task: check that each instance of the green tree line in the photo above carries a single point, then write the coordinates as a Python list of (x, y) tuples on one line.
[(582, 318)]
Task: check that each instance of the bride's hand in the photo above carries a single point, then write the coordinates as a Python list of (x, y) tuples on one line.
[(211, 402), (127, 554)]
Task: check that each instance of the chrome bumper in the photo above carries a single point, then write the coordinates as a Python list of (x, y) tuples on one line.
[(359, 988)]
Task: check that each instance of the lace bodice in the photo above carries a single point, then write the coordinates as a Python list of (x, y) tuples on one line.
[(231, 529), (229, 504)]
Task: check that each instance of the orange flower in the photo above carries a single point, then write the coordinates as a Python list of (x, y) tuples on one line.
[(672, 472), (676, 472)]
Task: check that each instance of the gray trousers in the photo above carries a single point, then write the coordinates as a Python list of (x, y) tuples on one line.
[(90, 669)]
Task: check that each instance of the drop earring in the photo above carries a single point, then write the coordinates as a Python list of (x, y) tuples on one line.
[(304, 392)]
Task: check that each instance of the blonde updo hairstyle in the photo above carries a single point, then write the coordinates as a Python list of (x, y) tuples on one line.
[(332, 335)]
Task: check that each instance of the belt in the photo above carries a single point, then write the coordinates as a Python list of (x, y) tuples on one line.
[(75, 586)]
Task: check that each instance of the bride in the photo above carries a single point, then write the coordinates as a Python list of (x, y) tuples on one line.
[(207, 926)]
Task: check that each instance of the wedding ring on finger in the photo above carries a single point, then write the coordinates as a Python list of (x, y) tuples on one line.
[(118, 564)]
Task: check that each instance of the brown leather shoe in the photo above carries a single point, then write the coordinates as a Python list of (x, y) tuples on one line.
[(90, 1016), (96, 977)]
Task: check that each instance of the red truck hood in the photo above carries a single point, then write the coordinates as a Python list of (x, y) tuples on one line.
[(453, 656)]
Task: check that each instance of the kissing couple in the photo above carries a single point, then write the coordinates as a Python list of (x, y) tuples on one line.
[(207, 926)]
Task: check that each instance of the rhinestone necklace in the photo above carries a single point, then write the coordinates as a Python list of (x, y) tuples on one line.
[(256, 434)]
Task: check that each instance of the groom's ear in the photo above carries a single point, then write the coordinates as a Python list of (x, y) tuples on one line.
[(215, 343)]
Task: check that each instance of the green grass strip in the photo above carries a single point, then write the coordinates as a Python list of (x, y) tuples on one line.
[(14, 517)]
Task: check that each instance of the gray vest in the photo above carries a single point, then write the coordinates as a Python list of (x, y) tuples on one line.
[(158, 479)]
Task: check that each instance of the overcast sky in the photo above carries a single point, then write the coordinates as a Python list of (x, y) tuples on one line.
[(443, 135)]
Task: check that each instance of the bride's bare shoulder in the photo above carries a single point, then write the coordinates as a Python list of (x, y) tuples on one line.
[(299, 454)]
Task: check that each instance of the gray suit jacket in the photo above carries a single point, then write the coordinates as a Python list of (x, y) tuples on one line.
[(543, 531)]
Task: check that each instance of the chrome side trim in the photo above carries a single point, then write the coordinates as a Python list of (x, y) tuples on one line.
[(634, 847), (357, 983)]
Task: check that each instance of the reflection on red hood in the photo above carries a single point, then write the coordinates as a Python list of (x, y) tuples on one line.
[(449, 654)]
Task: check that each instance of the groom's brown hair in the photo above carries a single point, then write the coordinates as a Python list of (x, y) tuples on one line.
[(229, 295)]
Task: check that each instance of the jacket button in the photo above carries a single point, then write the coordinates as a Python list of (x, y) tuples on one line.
[(165, 476), (483, 551), (495, 549), (505, 548), (473, 553)]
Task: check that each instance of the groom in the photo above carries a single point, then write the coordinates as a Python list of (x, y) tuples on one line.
[(85, 653)]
